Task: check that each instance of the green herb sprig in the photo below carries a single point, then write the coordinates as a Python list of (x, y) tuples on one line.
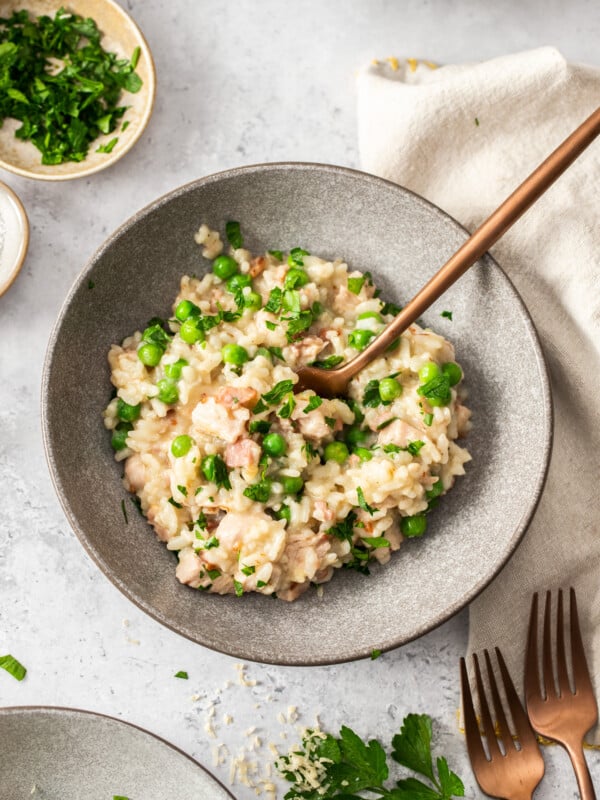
[(349, 768)]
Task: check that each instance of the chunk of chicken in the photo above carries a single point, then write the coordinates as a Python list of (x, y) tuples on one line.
[(400, 433), (213, 418)]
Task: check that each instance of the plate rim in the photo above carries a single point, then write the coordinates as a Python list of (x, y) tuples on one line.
[(6, 710), (547, 406)]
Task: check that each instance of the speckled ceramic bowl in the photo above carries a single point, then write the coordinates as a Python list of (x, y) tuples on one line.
[(402, 240), (120, 35), (67, 754)]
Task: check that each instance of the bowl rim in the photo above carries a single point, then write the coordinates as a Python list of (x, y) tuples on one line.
[(547, 407), (24, 243), (139, 129), (34, 709)]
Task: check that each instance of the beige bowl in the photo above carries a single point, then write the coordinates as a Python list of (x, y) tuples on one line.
[(120, 35)]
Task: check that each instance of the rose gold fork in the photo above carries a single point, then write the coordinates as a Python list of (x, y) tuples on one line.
[(509, 772), (557, 709)]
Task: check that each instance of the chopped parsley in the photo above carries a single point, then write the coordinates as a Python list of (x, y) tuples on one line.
[(314, 402), (437, 389), (91, 284), (213, 574), (294, 278), (182, 674), (331, 422), (109, 146), (270, 325), (386, 422), (328, 363), (278, 392), (296, 257), (447, 315), (234, 235), (259, 492), (344, 530), (371, 397), (477, 121), (285, 412), (174, 503), (376, 541), (259, 426), (260, 584), (207, 544), (239, 589), (62, 112), (355, 284), (428, 419), (124, 510), (375, 654), (249, 569), (276, 254), (182, 490), (413, 448), (201, 521), (363, 503), (277, 352), (215, 470), (391, 308), (13, 667), (273, 304)]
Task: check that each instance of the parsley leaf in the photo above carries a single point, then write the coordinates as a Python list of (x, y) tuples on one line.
[(327, 363), (239, 589), (363, 503), (314, 402), (233, 234), (285, 412), (249, 569), (346, 765), (355, 284), (437, 389), (182, 674), (371, 397), (13, 667), (296, 257), (447, 315), (259, 426), (344, 530), (278, 392), (391, 308), (273, 304), (259, 492), (276, 254)]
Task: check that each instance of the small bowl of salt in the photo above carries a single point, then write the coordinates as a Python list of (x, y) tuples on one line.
[(14, 236)]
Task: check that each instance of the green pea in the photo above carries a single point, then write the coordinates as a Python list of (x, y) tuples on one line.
[(274, 445), (239, 281), (370, 315), (428, 372), (363, 453), (173, 371), (359, 338), (167, 391), (186, 309), (285, 512), (336, 451), (291, 485), (262, 351), (452, 371), (126, 412), (436, 490), (413, 527), (295, 277), (253, 300), (190, 332), (355, 434), (234, 354), (224, 267), (389, 389), (181, 445), (150, 354), (119, 436)]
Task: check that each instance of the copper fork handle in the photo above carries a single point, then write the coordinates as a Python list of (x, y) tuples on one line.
[(582, 772)]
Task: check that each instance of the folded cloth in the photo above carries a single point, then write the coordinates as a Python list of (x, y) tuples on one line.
[(464, 137)]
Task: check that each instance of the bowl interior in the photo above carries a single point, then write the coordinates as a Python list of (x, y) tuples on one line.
[(402, 240), (48, 747), (121, 36)]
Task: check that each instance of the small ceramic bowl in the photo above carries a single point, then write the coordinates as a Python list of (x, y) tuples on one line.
[(120, 35), (14, 236), (402, 240)]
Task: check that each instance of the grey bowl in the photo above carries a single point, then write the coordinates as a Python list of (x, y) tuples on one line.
[(68, 754), (402, 240)]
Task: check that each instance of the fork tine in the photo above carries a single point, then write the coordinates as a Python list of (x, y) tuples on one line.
[(474, 743), (561, 661), (503, 727), (519, 717), (548, 681), (532, 674), (581, 673), (488, 726)]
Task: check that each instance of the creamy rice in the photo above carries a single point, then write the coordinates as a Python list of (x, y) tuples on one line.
[(258, 489)]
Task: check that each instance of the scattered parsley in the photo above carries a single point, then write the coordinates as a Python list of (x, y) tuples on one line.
[(270, 325), (207, 544), (331, 422), (124, 510), (477, 121), (428, 419), (314, 402), (391, 308), (328, 363), (447, 315), (91, 284), (259, 426), (13, 667), (61, 112), (239, 589), (371, 397), (278, 392), (213, 574), (347, 766), (260, 584), (109, 146), (376, 541), (201, 521), (249, 570), (174, 503), (363, 503), (415, 447), (277, 352), (296, 257), (375, 654), (276, 254), (285, 412), (386, 422), (259, 492), (438, 389), (273, 304), (355, 284), (182, 490), (182, 674), (344, 530), (233, 234)]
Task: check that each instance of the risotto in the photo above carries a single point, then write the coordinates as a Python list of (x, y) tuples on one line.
[(259, 489)]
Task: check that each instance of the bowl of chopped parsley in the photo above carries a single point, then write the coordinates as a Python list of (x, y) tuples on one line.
[(289, 211), (77, 85)]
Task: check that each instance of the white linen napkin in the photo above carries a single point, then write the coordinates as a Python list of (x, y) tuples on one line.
[(464, 137)]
